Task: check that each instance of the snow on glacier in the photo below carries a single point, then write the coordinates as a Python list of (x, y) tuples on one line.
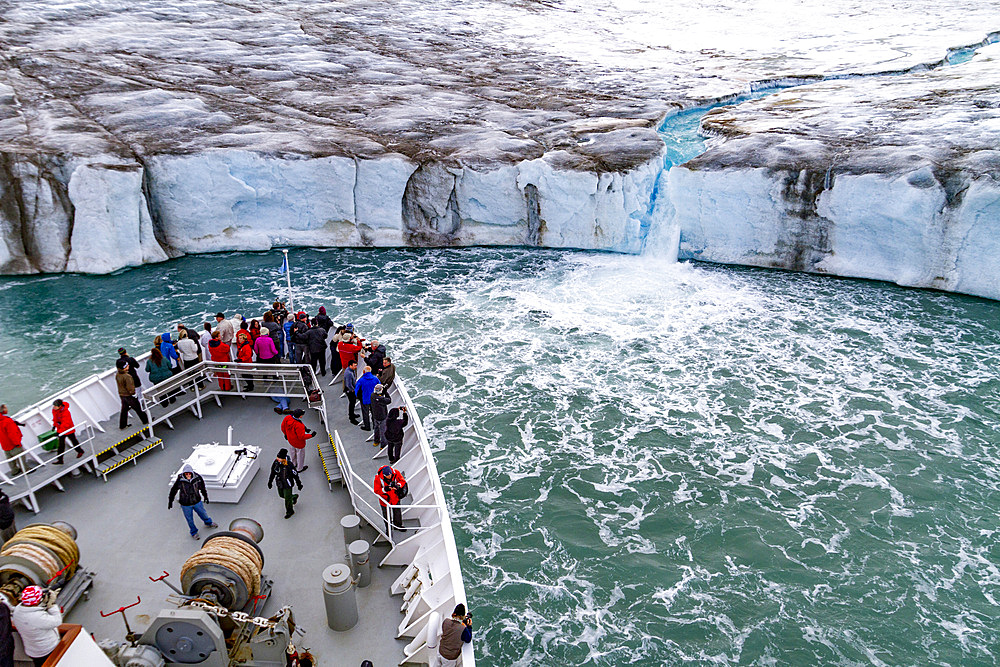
[(254, 124)]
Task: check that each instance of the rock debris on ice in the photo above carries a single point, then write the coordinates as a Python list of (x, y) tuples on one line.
[(134, 131), (892, 179)]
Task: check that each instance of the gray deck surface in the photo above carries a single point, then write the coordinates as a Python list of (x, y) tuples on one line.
[(126, 533)]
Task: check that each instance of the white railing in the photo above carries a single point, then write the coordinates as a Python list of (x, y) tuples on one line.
[(431, 583), (200, 382), (37, 472)]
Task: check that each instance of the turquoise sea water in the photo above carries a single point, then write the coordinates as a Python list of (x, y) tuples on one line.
[(647, 463)]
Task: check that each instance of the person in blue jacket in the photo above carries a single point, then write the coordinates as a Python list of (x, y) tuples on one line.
[(363, 388), (287, 326), (169, 353)]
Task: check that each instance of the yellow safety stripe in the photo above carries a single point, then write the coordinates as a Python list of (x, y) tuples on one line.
[(132, 456), (121, 442)]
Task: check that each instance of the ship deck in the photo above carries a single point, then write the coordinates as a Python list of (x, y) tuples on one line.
[(126, 533)]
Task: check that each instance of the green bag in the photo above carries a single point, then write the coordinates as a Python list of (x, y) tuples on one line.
[(49, 440)]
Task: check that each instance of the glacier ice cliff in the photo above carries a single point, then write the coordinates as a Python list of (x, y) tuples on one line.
[(895, 180), (133, 132)]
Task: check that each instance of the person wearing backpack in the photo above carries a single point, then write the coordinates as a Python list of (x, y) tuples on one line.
[(283, 472)]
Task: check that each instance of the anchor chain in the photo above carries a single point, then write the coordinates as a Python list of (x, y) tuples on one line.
[(239, 616)]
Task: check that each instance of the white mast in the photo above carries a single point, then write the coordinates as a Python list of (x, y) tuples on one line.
[(288, 278)]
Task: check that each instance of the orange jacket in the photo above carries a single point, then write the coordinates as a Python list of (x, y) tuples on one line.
[(347, 352), (387, 491), (62, 420), (295, 432), (10, 434), (218, 351), (244, 353)]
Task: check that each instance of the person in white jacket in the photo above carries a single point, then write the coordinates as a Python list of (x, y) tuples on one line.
[(37, 623)]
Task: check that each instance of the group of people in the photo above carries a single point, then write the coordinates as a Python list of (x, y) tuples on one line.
[(278, 336)]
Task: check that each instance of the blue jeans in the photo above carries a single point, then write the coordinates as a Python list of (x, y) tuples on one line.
[(282, 401), (189, 510), (291, 353)]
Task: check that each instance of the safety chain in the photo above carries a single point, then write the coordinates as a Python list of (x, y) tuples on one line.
[(239, 616)]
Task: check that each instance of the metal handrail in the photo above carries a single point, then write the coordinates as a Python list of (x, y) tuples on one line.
[(190, 380)]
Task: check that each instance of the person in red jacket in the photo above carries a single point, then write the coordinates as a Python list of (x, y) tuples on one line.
[(219, 351), (10, 440), (296, 434), (62, 423), (244, 352), (349, 350), (390, 487)]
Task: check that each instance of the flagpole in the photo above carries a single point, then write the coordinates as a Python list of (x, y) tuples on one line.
[(288, 277)]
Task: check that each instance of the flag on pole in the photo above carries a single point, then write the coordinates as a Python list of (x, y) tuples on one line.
[(284, 265)]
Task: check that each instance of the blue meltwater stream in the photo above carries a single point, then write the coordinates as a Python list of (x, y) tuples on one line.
[(646, 462)]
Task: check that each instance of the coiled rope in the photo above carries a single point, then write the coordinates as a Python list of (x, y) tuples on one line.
[(35, 543), (233, 554)]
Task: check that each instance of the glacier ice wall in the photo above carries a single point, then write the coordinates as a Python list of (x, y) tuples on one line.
[(96, 218), (903, 228), (893, 179)]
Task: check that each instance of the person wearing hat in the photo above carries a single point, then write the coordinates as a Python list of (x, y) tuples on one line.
[(227, 332), (380, 410), (37, 620), (133, 370), (390, 487), (10, 440), (393, 437), (126, 392), (62, 423), (169, 352), (264, 347), (323, 320), (283, 472), (296, 434), (348, 347), (335, 364), (192, 488), (315, 339)]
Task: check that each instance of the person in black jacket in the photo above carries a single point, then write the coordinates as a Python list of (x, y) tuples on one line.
[(315, 338), (192, 488), (297, 334), (6, 638), (7, 527), (283, 472), (133, 370), (394, 425), (323, 320), (380, 410), (376, 353)]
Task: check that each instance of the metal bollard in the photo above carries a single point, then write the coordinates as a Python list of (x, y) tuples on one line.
[(352, 528), (340, 598), (360, 565)]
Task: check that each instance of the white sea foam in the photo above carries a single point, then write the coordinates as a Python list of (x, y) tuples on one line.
[(714, 463)]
